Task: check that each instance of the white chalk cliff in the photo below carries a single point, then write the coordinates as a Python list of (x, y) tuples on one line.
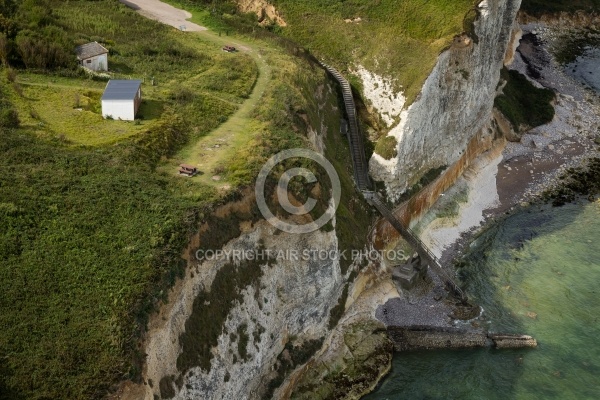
[(455, 102)]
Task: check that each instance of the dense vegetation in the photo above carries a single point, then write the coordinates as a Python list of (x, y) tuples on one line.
[(91, 233), (91, 237), (540, 7), (29, 36), (88, 242), (523, 104)]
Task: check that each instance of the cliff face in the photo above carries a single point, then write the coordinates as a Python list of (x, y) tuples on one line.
[(455, 102), (282, 308), (290, 299), (234, 329), (265, 12)]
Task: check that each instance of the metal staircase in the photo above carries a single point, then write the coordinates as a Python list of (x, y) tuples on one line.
[(357, 148), (426, 255), (364, 184)]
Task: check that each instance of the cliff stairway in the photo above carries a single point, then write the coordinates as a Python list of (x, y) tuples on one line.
[(357, 148), (364, 184)]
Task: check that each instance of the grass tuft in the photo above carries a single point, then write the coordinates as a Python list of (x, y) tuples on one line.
[(387, 147)]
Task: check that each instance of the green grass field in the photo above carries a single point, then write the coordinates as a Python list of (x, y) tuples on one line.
[(91, 234), (179, 70), (88, 243), (396, 39), (74, 113)]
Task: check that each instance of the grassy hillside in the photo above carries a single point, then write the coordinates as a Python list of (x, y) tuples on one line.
[(92, 231), (179, 71), (87, 242), (399, 39), (91, 235)]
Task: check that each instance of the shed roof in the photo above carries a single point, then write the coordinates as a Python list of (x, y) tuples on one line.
[(121, 89), (89, 50)]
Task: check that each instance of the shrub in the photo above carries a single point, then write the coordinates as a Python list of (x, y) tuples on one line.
[(182, 95), (45, 49), (11, 74), (524, 105), (9, 118)]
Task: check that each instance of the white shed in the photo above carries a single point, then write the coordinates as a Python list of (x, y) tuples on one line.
[(121, 99), (92, 56)]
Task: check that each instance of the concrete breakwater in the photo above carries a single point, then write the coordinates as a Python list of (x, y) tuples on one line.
[(407, 338)]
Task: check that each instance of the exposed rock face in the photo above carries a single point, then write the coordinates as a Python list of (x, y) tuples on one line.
[(362, 357), (266, 12), (455, 102), (380, 93), (293, 298), (357, 354), (260, 312)]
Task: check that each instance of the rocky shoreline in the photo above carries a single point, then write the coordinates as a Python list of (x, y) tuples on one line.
[(428, 338), (537, 167), (504, 179), (555, 162)]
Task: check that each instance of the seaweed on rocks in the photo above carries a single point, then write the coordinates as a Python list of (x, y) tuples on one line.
[(576, 182)]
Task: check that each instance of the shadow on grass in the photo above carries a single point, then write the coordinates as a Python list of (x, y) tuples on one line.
[(150, 109), (120, 68)]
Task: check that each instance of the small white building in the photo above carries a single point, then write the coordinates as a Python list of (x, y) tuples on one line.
[(121, 99), (92, 56)]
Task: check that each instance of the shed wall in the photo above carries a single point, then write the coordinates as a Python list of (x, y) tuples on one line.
[(97, 63), (119, 109)]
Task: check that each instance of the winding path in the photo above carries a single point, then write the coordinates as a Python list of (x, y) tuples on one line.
[(209, 148), (208, 151)]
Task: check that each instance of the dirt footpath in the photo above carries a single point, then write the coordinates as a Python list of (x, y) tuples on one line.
[(165, 13)]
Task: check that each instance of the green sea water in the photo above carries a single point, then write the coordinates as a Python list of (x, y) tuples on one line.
[(536, 272)]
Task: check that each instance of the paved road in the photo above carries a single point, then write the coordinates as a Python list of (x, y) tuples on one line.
[(165, 13)]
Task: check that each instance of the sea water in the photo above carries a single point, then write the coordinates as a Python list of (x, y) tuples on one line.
[(538, 273)]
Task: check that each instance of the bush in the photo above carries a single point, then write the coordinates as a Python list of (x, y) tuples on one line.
[(182, 95), (9, 118), (524, 105), (45, 49), (11, 75)]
